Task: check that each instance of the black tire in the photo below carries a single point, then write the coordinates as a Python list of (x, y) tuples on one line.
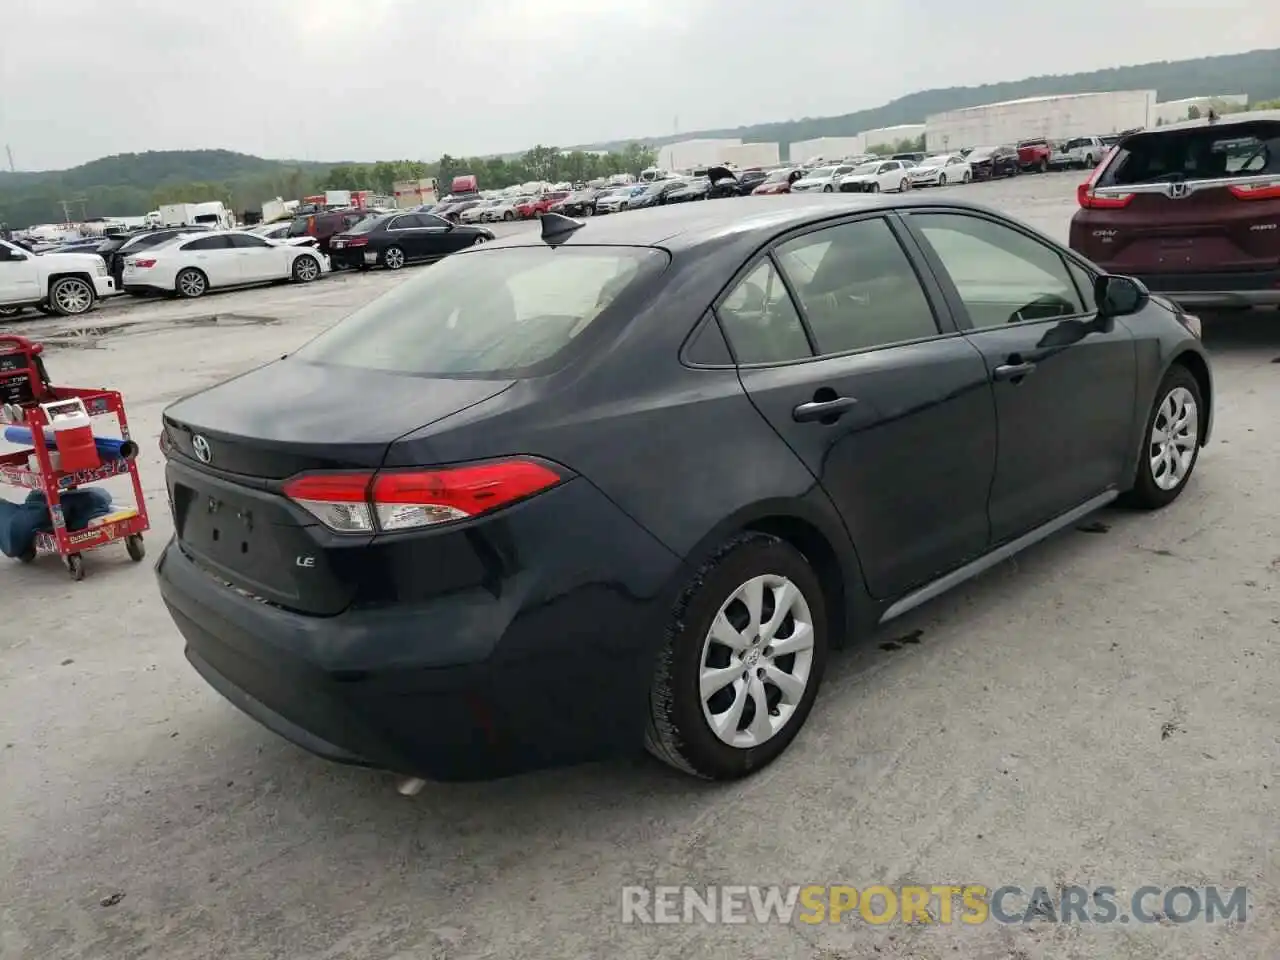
[(28, 555), (75, 566), (875, 188), (191, 283), (678, 732), (1044, 166), (1146, 493), (827, 189), (7, 312), (63, 286), (306, 264), (942, 179), (47, 310), (904, 186), (967, 177), (508, 216), (136, 548)]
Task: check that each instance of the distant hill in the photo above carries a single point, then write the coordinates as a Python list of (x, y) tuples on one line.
[(1256, 73), (130, 184)]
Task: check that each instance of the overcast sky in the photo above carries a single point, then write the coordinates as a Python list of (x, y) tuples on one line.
[(390, 79)]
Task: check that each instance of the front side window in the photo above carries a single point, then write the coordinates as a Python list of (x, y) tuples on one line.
[(857, 287), (244, 241), (760, 320), (1001, 274), (494, 313)]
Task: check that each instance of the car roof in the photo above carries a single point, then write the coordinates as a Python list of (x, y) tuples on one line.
[(1226, 120), (687, 226)]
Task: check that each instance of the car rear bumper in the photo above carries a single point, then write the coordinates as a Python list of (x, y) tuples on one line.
[(542, 666), (352, 257), (1217, 290)]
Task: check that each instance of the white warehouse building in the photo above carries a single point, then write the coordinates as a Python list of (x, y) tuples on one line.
[(826, 148), (688, 154), (1174, 111), (744, 155), (891, 136), (1056, 118)]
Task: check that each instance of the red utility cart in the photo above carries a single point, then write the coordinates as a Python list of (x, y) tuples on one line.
[(24, 386)]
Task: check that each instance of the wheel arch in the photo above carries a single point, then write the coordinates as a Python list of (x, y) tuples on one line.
[(72, 275), (821, 539)]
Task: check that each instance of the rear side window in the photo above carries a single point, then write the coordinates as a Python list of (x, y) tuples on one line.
[(1201, 153), (218, 242), (299, 226), (494, 313), (857, 287)]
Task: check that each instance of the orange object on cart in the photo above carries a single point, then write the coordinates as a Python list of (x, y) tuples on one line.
[(29, 398)]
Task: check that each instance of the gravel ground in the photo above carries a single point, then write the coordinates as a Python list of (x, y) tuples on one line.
[(1103, 711)]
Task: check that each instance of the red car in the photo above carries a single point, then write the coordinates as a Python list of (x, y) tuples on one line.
[(1035, 155), (540, 205), (1191, 210), (779, 181)]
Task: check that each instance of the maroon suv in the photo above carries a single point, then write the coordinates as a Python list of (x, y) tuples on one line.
[(1191, 209)]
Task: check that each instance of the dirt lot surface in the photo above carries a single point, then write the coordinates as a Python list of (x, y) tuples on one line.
[(1103, 711)]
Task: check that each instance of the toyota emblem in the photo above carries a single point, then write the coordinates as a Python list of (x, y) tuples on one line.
[(200, 447)]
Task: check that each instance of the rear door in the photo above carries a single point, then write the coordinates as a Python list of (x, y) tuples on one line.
[(1203, 200), (1064, 382), (849, 354)]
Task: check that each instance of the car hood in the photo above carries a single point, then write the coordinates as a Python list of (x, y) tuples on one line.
[(69, 261), (809, 182), (720, 173), (856, 177), (925, 168)]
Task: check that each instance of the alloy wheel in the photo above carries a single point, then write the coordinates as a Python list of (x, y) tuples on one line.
[(394, 258), (191, 283), (756, 661), (306, 269), (1174, 435), (72, 296)]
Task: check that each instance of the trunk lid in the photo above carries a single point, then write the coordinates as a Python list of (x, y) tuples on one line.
[(232, 446)]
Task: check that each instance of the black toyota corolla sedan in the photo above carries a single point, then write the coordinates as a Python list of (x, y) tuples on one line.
[(397, 239), (631, 481)]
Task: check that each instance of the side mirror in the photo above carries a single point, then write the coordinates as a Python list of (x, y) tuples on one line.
[(1119, 296)]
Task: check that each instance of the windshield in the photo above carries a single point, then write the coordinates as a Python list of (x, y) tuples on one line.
[(1201, 153), (822, 173), (485, 314), (867, 167), (938, 161), (368, 224), (299, 227), (1077, 142), (981, 153)]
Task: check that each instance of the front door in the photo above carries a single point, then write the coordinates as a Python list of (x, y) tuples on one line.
[(215, 256), (1064, 381), (858, 369), (19, 279), (258, 260)]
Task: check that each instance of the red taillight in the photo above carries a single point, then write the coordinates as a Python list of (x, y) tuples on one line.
[(1091, 201), (390, 500), (357, 242), (1256, 191), (144, 264)]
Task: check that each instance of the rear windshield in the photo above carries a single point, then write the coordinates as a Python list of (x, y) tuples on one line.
[(368, 224), (491, 313), (1201, 153)]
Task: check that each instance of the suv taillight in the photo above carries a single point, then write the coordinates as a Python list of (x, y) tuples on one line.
[(1267, 190), (355, 241), (411, 499), (1088, 200)]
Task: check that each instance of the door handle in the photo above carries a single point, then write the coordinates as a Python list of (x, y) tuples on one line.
[(1015, 369), (823, 409)]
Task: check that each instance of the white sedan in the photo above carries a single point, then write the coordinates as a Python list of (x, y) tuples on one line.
[(480, 212), (824, 179), (877, 176), (191, 266), (940, 170)]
